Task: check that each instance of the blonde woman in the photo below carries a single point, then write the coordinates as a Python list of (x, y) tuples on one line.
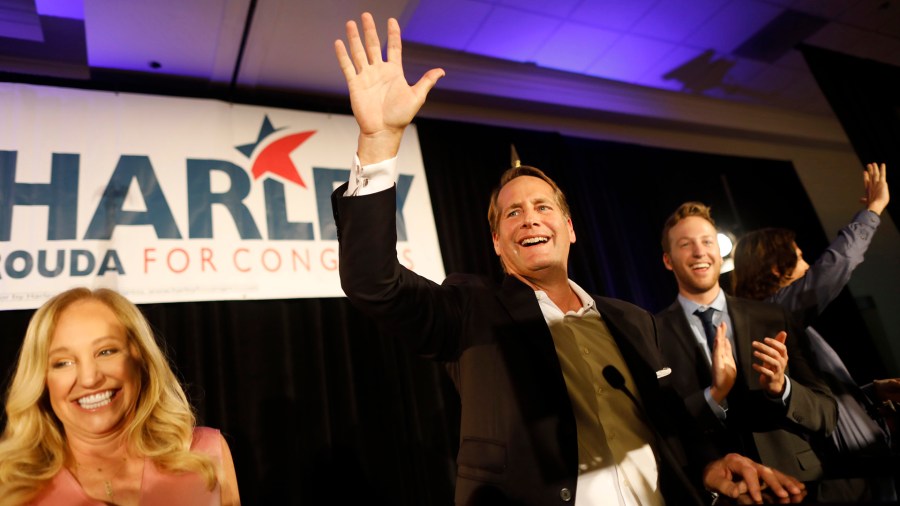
[(95, 415)]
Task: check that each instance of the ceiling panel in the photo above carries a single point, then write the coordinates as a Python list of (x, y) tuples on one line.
[(574, 47), (630, 58), (164, 36), (658, 22), (445, 24), (732, 25), (512, 34), (552, 8), (613, 14), (290, 46)]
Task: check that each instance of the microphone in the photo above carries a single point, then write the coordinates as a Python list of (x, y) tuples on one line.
[(615, 379)]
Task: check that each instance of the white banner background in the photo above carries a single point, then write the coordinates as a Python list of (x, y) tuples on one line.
[(101, 128)]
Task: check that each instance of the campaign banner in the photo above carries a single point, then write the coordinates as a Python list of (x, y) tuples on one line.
[(169, 199)]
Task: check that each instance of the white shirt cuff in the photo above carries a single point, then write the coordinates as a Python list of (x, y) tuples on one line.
[(787, 391), (373, 178), (719, 411)]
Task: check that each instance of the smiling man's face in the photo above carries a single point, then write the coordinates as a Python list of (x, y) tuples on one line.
[(533, 235), (695, 259)]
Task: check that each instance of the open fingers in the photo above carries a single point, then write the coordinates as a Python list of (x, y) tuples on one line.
[(871, 173), (772, 347), (792, 485), (874, 174), (767, 475), (723, 344), (355, 46), (723, 357), (394, 45), (774, 364), (772, 357), (344, 61), (427, 81), (875, 170), (751, 479), (722, 476), (769, 350), (370, 33), (794, 490), (720, 330)]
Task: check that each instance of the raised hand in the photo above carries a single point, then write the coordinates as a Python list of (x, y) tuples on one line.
[(887, 389), (724, 370), (383, 102), (749, 482), (877, 194), (773, 357)]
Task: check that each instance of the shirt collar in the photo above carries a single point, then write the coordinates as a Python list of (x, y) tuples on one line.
[(587, 302), (690, 306)]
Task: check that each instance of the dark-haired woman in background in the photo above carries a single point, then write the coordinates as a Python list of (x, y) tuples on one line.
[(768, 265)]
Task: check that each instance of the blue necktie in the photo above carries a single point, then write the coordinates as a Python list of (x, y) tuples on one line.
[(709, 328)]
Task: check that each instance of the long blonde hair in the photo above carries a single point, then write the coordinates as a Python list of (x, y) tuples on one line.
[(33, 445)]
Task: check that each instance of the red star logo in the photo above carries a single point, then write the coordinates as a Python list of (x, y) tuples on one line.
[(276, 158)]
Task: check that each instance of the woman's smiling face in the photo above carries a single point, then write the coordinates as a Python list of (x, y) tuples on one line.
[(93, 372)]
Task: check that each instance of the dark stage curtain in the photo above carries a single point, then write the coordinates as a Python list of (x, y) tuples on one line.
[(318, 406), (865, 96)]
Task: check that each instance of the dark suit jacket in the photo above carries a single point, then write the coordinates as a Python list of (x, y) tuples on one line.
[(756, 424), (517, 430)]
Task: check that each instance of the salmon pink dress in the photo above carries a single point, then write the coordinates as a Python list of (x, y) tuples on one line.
[(157, 487)]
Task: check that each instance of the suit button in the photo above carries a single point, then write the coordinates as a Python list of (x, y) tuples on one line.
[(565, 494)]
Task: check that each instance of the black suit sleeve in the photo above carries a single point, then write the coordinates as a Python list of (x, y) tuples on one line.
[(426, 315)]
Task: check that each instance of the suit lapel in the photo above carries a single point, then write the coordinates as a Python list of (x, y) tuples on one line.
[(528, 330), (519, 301), (624, 331), (642, 357), (526, 347), (686, 342)]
